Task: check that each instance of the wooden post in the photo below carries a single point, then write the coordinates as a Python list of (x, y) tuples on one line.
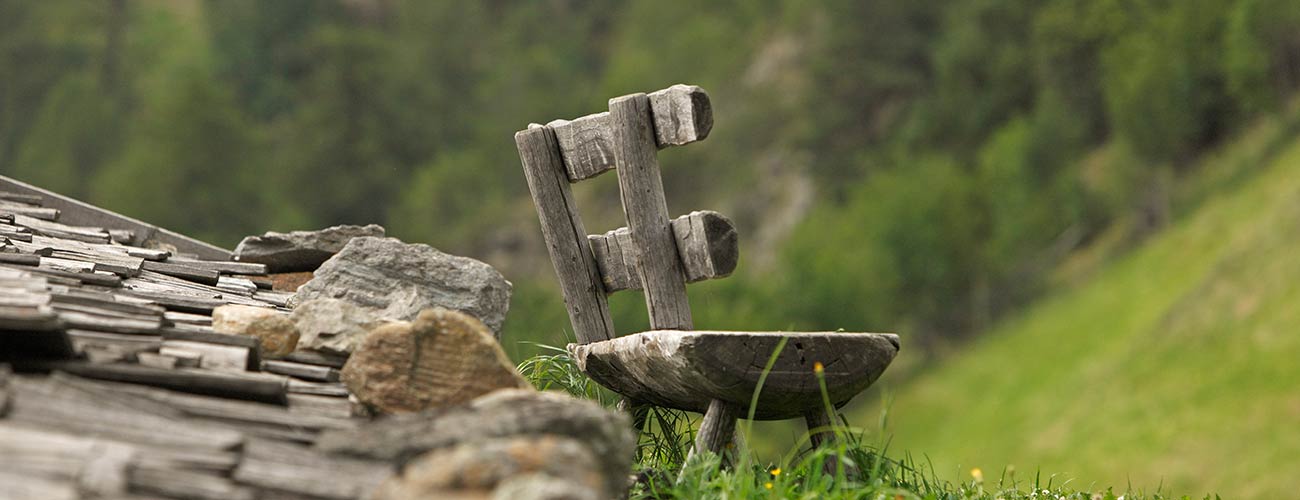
[(660, 268), (821, 432), (642, 189), (566, 239)]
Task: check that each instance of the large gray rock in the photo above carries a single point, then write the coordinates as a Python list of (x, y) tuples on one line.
[(396, 280), (501, 414), (300, 250), (333, 326)]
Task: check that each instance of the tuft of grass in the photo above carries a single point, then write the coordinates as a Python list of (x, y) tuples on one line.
[(664, 470)]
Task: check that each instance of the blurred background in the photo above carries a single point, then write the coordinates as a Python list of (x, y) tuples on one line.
[(1080, 215)]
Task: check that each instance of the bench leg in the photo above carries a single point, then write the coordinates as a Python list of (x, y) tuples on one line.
[(821, 432), (718, 427)]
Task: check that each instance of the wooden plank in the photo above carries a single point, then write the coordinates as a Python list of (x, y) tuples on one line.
[(318, 358), (80, 213), (21, 259), (270, 389), (156, 360), (31, 199), (646, 209), (184, 271), (707, 246), (305, 471), (62, 231), (84, 321), (250, 344), (125, 342), (301, 370), (51, 404), (6, 373), (222, 266), (48, 214), (682, 115), (566, 238), (216, 357), (187, 484), (325, 406), (318, 388)]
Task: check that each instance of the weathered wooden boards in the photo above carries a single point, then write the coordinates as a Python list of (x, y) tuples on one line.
[(81, 214), (685, 370), (566, 238), (707, 246), (682, 115), (109, 440), (646, 209)]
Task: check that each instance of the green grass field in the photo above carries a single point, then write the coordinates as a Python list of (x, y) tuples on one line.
[(1172, 367)]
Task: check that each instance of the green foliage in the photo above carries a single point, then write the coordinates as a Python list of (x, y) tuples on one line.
[(957, 152), (665, 470), (1170, 366), (926, 223)]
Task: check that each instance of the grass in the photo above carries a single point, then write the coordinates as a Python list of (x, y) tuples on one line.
[(666, 472), (1172, 367)]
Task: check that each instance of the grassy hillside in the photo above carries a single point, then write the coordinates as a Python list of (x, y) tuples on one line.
[(1176, 365)]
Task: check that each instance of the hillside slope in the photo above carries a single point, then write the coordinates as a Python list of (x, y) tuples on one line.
[(1174, 366)]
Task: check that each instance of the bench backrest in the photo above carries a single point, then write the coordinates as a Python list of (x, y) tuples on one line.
[(652, 253)]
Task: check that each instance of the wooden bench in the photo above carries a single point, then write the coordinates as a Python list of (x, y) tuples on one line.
[(711, 372)]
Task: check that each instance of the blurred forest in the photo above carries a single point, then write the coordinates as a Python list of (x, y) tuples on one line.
[(921, 167)]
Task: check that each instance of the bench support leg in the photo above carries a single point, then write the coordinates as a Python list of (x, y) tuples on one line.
[(718, 427), (821, 431)]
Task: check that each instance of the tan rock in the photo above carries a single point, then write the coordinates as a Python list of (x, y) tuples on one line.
[(475, 468), (276, 332), (442, 358)]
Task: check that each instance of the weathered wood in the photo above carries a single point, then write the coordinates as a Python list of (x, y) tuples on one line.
[(216, 357), (302, 370), (67, 265), (642, 190), (682, 115), (6, 373), (566, 238), (125, 342), (707, 247), (41, 213), (189, 304), (251, 345), (52, 404), (62, 231), (95, 278), (184, 271), (271, 389), (334, 389), (102, 323), (22, 259), (318, 358), (685, 370), (187, 484), (31, 199), (156, 360), (76, 212), (188, 318), (302, 470), (222, 266), (325, 406), (718, 426)]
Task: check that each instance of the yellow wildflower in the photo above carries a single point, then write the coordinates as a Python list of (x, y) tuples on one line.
[(977, 474), (776, 471), (818, 368), (768, 485)]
